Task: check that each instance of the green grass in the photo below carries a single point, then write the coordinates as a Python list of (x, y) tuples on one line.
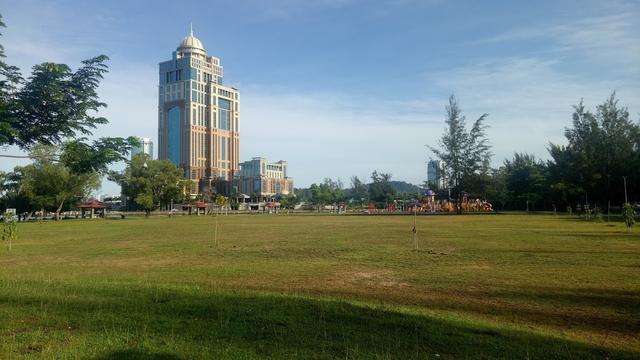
[(324, 287)]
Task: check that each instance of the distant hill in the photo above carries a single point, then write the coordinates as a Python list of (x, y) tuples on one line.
[(404, 187)]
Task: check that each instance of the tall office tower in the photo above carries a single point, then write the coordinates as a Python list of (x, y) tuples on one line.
[(436, 174), (198, 117), (146, 147)]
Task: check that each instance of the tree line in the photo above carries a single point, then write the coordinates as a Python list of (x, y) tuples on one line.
[(599, 166)]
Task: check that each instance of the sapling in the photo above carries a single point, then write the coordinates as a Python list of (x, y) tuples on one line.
[(628, 215), (9, 228)]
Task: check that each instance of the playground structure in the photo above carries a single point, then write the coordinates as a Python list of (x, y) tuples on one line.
[(429, 204)]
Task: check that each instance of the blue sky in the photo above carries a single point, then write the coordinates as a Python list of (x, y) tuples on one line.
[(344, 87)]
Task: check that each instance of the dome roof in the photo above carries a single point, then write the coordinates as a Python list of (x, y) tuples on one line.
[(191, 44)]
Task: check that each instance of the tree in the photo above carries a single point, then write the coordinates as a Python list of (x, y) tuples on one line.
[(380, 189), (50, 185), (9, 231), (525, 181), (602, 148), (359, 191), (329, 192), (466, 154), (151, 183), (289, 201), (497, 192), (82, 157), (9, 80), (54, 103), (145, 201), (628, 215), (10, 195), (222, 202)]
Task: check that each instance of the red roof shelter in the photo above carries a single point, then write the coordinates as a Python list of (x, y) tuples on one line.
[(93, 205), (198, 205)]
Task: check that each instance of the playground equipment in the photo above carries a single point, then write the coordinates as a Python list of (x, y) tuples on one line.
[(430, 204)]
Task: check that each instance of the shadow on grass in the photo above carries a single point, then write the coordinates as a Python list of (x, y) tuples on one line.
[(129, 322), (613, 311), (137, 355)]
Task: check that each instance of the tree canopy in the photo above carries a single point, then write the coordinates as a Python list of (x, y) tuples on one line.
[(151, 183), (602, 148), (50, 185), (466, 154)]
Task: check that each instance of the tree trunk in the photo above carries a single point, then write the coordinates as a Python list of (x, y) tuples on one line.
[(58, 211)]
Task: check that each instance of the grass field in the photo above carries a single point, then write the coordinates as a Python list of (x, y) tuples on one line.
[(322, 287)]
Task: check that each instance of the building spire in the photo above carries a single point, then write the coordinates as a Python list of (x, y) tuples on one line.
[(191, 32)]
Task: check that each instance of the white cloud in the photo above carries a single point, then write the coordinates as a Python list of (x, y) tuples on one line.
[(528, 100), (610, 38)]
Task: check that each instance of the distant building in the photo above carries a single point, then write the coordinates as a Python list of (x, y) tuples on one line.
[(146, 147), (198, 117), (436, 174), (260, 178)]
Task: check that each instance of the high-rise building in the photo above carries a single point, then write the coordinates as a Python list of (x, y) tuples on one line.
[(436, 174), (198, 117), (261, 178), (146, 147)]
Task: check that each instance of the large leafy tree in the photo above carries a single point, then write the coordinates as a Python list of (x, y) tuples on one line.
[(83, 157), (466, 154), (50, 185), (328, 192), (602, 148), (289, 201), (56, 104), (151, 183)]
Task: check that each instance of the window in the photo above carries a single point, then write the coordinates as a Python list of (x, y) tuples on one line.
[(223, 145), (224, 113)]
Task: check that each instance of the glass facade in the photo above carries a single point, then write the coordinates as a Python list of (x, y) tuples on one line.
[(174, 136), (224, 114), (224, 149)]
